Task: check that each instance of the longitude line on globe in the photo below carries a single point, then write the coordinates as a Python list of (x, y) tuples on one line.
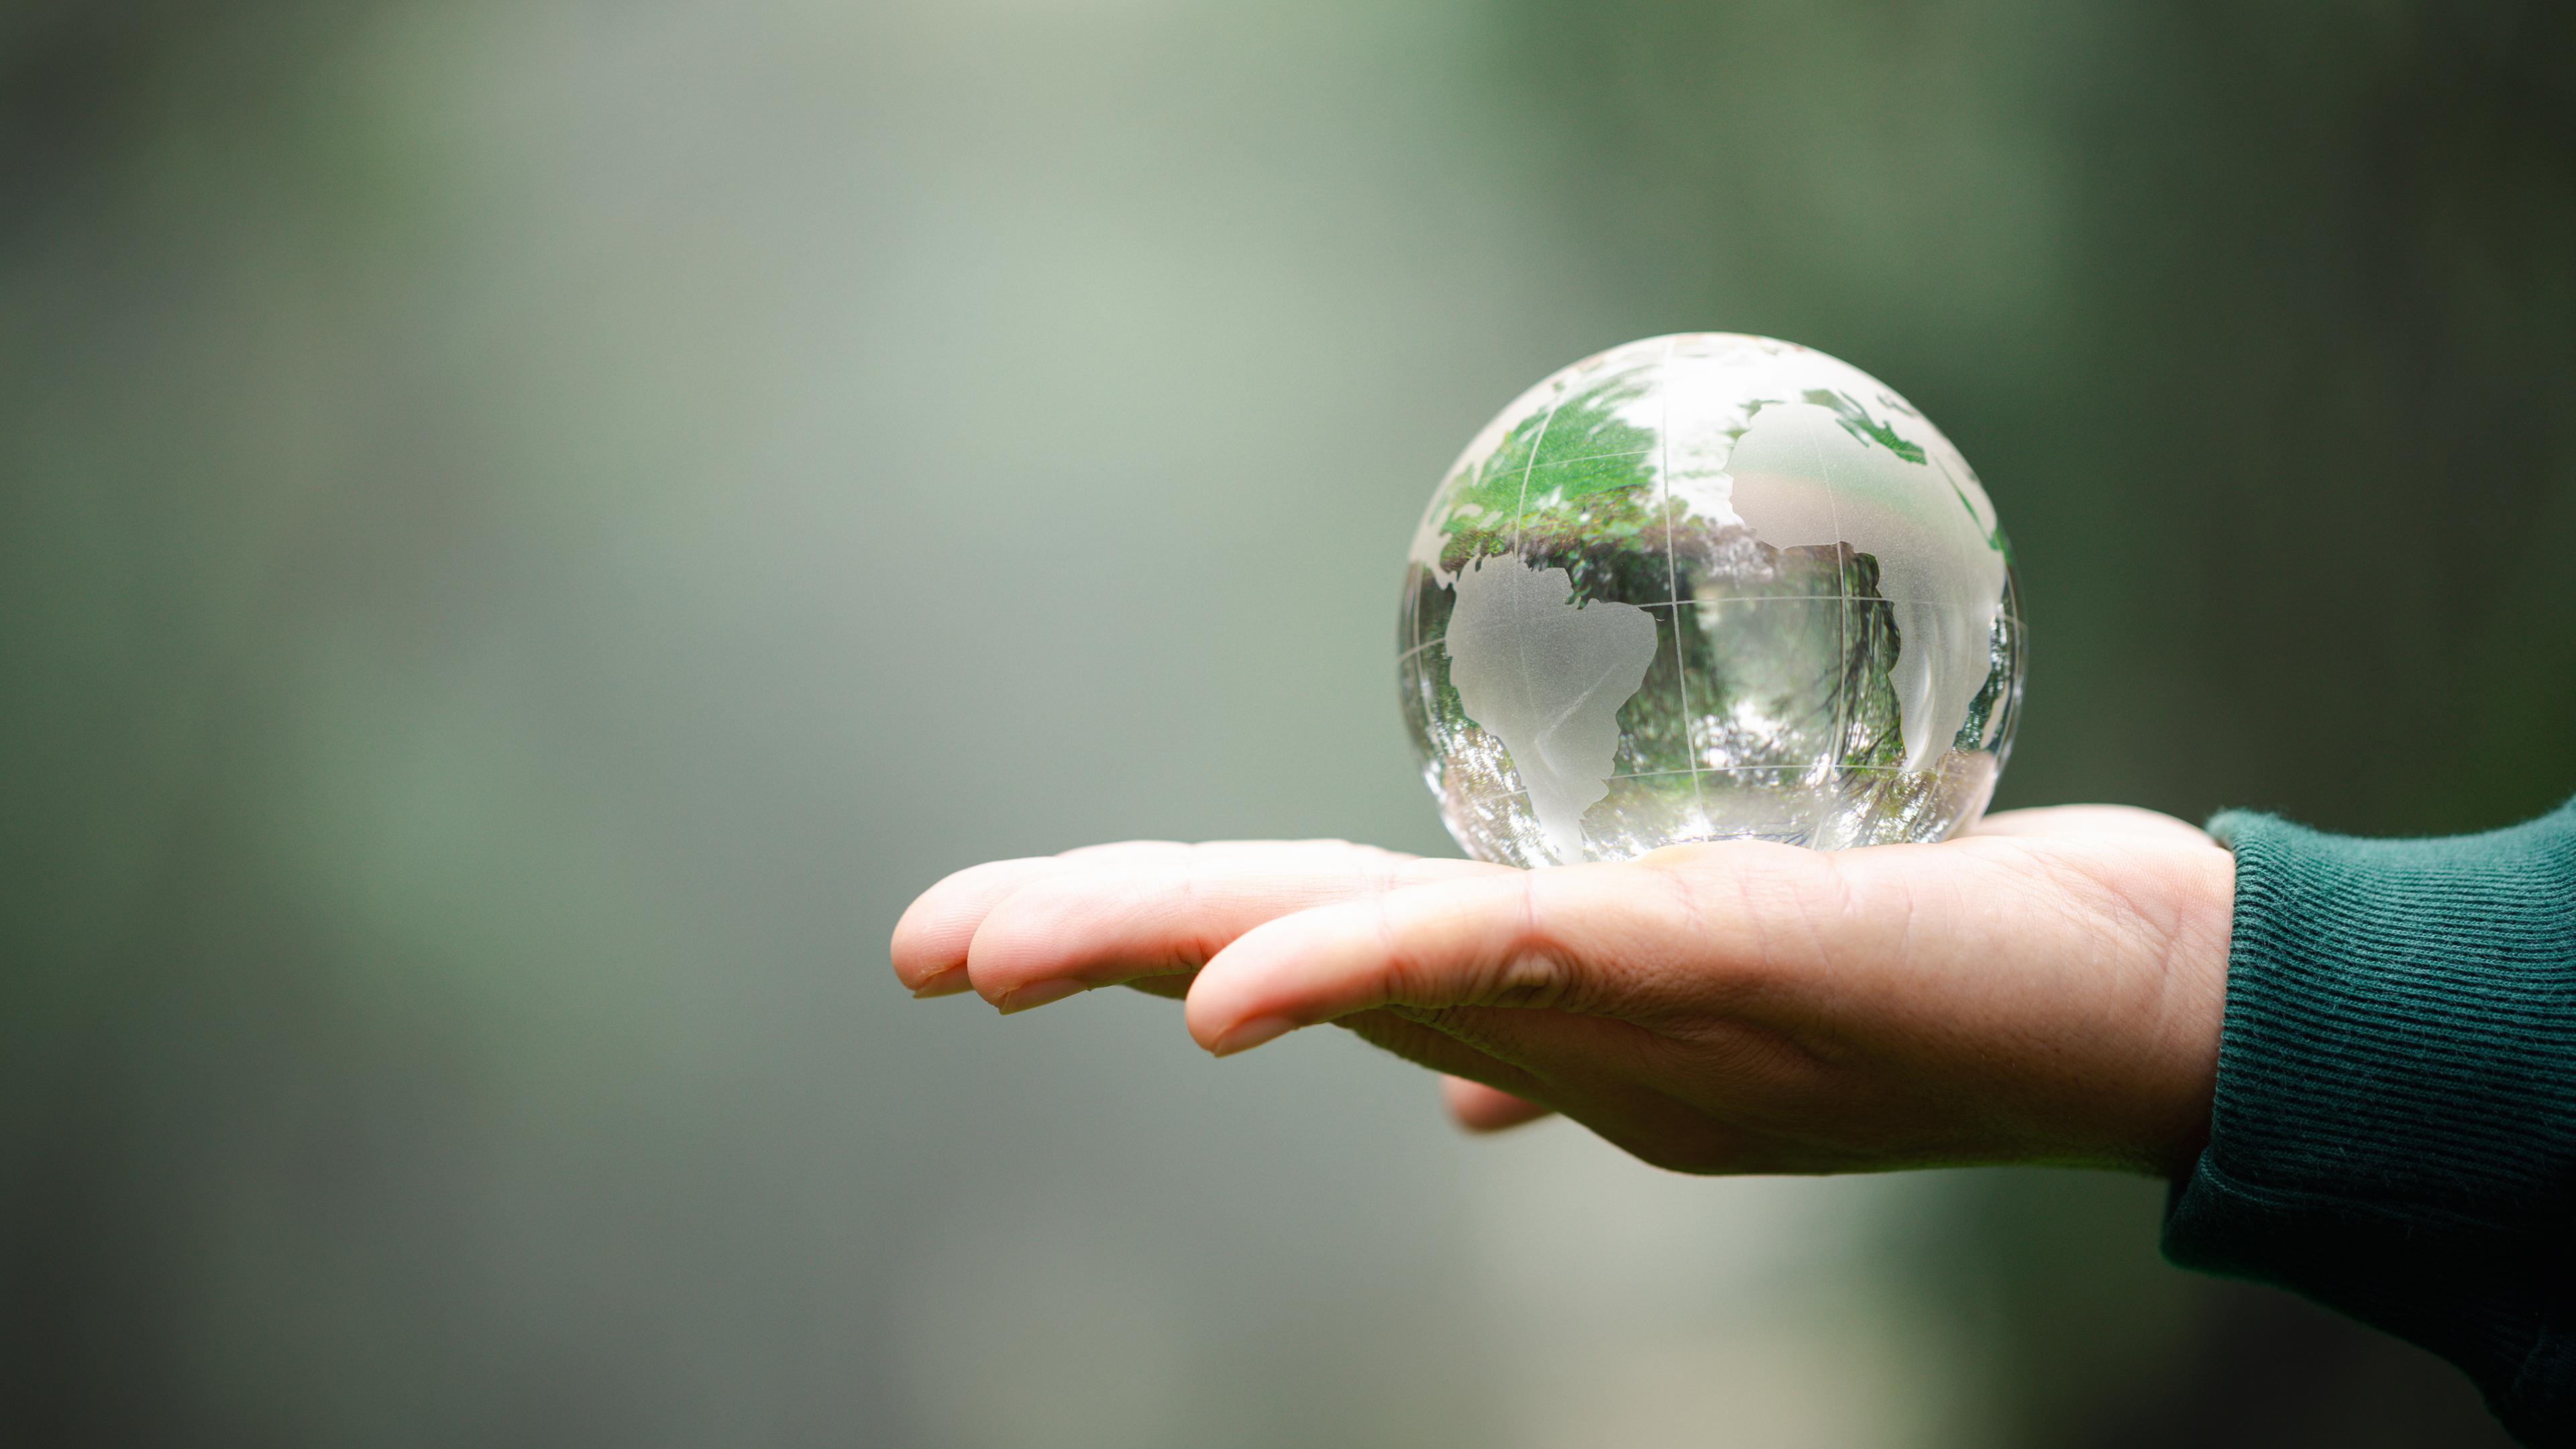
[(1413, 594), (1520, 510), (1842, 673), (1673, 570)]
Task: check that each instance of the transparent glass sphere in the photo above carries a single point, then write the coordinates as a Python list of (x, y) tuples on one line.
[(1708, 587)]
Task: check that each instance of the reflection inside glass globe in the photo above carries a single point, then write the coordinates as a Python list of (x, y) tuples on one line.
[(1708, 587)]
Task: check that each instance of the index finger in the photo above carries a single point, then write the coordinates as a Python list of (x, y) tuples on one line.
[(1104, 924), (1074, 915)]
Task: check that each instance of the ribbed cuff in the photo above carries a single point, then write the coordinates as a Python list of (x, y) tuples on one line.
[(2395, 1125)]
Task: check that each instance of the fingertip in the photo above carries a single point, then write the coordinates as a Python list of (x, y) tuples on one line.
[(1482, 1110), (931, 938), (1021, 943), (1220, 1001), (917, 952), (1034, 995), (1243, 1036), (952, 982)]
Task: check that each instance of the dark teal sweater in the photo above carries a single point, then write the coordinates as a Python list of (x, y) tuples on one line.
[(2395, 1131)]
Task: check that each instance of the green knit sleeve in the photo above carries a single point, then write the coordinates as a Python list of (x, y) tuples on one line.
[(2395, 1127)]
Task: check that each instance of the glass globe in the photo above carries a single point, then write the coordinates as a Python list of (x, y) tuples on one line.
[(1708, 587)]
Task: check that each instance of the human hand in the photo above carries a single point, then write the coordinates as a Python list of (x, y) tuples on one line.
[(2046, 988)]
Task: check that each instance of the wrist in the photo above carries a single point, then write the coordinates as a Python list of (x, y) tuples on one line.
[(2194, 1007), (2126, 936)]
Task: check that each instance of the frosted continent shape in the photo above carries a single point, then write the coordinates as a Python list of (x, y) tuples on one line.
[(1937, 570), (1547, 675)]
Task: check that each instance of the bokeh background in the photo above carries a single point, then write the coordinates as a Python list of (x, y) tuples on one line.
[(529, 530)]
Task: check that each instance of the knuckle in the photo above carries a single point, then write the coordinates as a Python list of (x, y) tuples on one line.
[(1400, 967), (1492, 950), (1529, 979), (1532, 969)]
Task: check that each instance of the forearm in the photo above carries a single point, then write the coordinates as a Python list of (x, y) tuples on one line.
[(2394, 1132)]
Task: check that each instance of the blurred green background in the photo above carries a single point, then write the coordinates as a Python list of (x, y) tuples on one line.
[(529, 530)]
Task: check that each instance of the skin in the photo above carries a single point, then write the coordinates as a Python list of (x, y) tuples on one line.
[(2046, 988)]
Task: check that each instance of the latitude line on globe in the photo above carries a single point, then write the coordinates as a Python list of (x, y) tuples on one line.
[(1844, 599), (1890, 770), (1597, 457)]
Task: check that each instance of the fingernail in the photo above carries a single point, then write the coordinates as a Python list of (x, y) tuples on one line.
[(947, 983), (1036, 994), (1250, 1034)]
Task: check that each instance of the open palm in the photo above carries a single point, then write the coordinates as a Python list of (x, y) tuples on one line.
[(2045, 988)]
